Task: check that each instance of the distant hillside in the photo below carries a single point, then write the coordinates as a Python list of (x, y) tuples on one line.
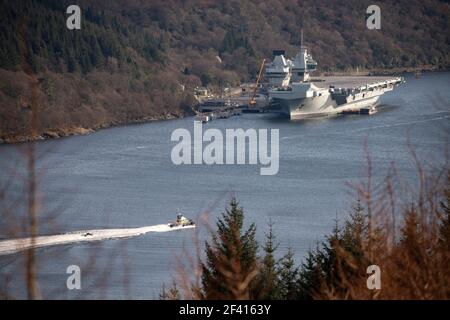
[(133, 58)]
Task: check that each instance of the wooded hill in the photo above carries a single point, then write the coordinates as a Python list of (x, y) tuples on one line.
[(137, 60)]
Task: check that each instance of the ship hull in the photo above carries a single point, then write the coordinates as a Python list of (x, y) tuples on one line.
[(325, 105)]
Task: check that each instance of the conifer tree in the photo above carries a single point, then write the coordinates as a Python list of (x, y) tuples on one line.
[(324, 266), (268, 276), (355, 227), (231, 264), (288, 277), (310, 276)]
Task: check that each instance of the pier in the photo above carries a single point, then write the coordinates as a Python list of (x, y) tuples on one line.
[(218, 113), (223, 108)]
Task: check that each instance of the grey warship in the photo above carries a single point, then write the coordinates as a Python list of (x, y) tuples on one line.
[(294, 93)]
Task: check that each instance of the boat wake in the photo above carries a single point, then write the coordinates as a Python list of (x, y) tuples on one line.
[(17, 245)]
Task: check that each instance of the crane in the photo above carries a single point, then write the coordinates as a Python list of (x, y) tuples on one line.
[(252, 101)]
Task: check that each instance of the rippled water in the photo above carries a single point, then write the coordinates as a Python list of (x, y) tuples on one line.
[(123, 177)]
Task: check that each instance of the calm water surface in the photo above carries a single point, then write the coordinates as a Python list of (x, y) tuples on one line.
[(123, 177)]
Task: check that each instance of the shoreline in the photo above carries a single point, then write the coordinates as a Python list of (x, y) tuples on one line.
[(76, 131), (53, 134)]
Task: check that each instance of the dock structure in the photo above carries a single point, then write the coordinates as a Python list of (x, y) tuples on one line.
[(316, 97), (223, 108), (223, 112), (219, 104), (235, 103)]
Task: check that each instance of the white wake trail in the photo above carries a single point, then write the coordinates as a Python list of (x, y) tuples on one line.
[(17, 245)]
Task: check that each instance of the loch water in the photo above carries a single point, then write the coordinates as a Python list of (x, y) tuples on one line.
[(124, 177)]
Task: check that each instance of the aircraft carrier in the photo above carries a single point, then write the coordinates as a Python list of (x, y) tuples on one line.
[(294, 93)]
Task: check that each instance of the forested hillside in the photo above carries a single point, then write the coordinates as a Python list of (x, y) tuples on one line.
[(135, 60)]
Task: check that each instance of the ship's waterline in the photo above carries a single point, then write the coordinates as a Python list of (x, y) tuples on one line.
[(322, 106)]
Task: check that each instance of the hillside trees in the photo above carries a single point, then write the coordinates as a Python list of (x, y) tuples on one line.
[(212, 43)]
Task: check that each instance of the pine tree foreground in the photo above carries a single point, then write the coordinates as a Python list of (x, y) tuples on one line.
[(414, 262)]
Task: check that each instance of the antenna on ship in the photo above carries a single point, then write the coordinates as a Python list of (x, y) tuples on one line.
[(301, 38)]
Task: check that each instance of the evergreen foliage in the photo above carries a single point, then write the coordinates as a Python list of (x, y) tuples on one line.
[(269, 273), (416, 262), (231, 257)]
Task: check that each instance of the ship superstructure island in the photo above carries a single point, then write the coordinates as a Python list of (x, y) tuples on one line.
[(297, 95)]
